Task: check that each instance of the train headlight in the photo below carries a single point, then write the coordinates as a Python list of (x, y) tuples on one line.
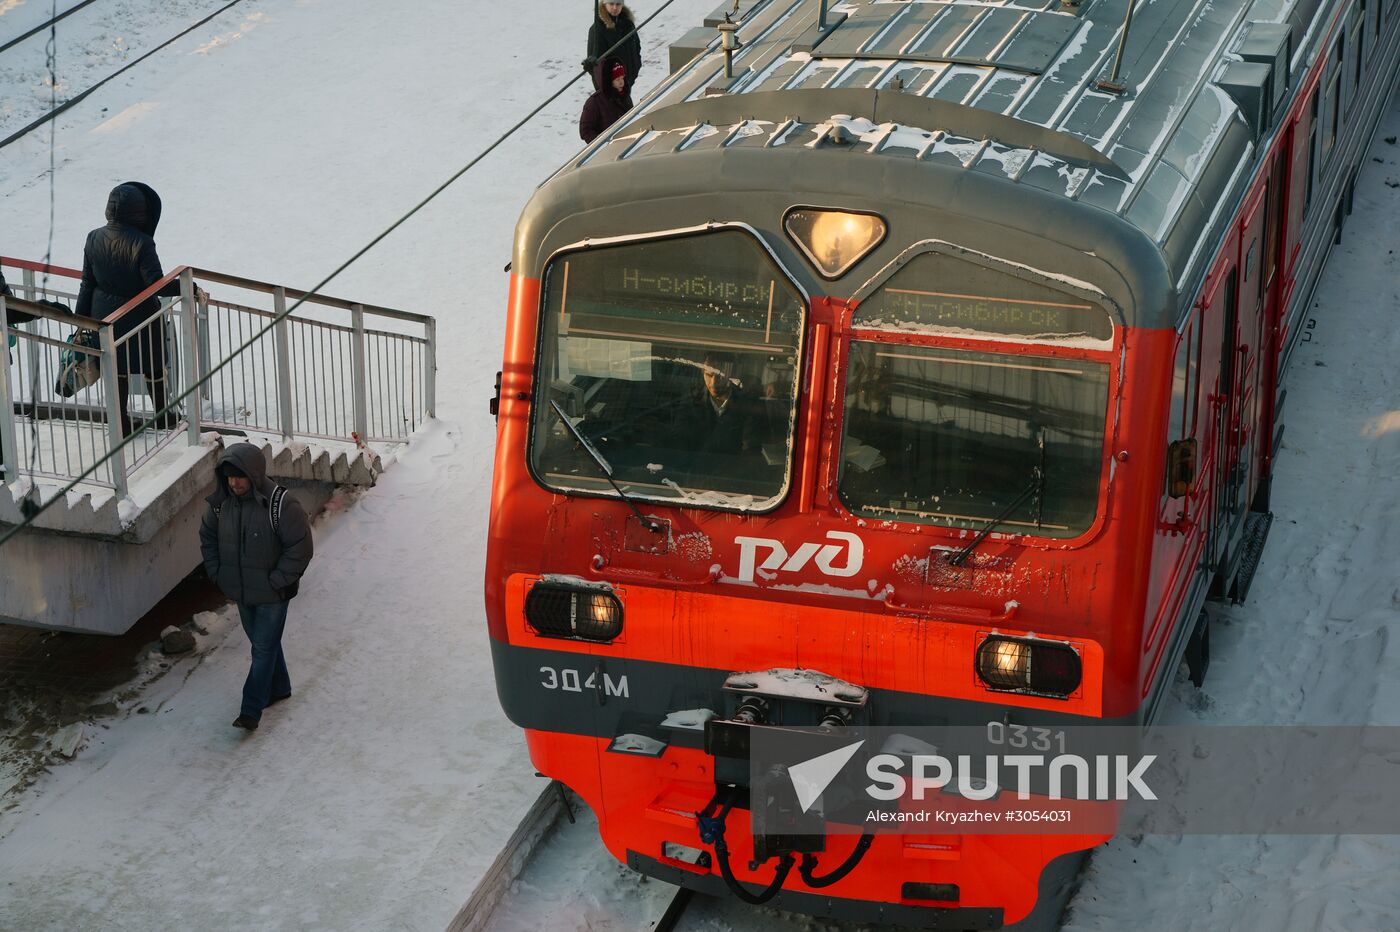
[(834, 240), (1031, 665), (559, 610)]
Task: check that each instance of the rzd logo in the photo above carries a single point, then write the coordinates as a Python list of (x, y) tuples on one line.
[(823, 555)]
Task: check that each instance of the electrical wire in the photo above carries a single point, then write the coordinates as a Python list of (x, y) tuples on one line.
[(173, 404), (74, 101), (29, 506), (808, 870), (54, 17)]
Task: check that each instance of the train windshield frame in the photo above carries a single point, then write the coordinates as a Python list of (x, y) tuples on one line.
[(677, 360), (972, 396)]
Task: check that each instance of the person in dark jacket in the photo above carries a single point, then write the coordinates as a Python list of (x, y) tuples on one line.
[(612, 24), (609, 101), (256, 544), (721, 418), (120, 262)]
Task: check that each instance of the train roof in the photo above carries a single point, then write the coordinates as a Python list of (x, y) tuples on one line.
[(1011, 89)]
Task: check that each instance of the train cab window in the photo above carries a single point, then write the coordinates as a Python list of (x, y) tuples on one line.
[(1181, 424), (675, 361), (1183, 382), (954, 436)]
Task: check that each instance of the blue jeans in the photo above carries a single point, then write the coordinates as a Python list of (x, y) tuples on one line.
[(267, 677)]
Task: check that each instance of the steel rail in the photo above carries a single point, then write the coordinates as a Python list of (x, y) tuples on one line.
[(674, 910), (537, 825)]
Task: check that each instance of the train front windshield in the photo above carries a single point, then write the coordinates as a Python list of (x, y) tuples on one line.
[(959, 437), (674, 361)]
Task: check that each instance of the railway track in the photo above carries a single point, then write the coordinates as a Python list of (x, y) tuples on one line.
[(674, 910)]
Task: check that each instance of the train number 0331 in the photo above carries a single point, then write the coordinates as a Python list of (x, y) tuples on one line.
[(1025, 736)]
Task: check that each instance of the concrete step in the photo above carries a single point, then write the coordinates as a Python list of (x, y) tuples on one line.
[(97, 564)]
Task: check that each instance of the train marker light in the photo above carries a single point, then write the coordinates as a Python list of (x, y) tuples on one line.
[(559, 610), (1030, 665), (833, 240)]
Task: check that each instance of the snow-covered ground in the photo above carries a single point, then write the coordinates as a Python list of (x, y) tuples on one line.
[(282, 137)]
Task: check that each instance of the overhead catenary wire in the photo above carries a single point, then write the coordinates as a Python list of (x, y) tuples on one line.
[(51, 63), (173, 403), (54, 18), (74, 101)]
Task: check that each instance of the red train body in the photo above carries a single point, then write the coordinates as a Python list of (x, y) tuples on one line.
[(810, 578)]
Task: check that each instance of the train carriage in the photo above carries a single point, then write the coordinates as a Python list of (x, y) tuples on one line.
[(936, 348)]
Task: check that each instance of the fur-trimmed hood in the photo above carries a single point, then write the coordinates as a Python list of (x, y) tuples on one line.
[(609, 21)]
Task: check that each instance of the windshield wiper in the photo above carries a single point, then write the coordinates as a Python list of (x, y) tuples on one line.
[(1036, 487), (648, 523)]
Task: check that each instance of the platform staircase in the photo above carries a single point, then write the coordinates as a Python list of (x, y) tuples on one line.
[(322, 392)]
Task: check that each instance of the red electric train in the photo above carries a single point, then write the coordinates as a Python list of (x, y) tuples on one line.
[(932, 347)]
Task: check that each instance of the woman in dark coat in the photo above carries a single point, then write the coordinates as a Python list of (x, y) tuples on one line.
[(613, 23), (609, 101), (120, 262)]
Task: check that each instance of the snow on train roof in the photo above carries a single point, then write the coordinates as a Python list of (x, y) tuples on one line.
[(1163, 154)]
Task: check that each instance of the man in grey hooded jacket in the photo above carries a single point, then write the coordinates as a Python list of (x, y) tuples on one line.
[(256, 543)]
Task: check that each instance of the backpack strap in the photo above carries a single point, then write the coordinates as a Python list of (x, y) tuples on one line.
[(274, 507)]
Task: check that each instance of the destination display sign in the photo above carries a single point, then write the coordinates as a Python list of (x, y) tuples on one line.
[(939, 292), (721, 283), (649, 282)]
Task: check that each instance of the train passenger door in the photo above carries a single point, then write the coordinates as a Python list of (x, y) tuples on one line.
[(1255, 269), (1271, 324), (1219, 340)]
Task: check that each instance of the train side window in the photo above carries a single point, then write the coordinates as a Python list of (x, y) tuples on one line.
[(1359, 35), (1250, 270), (1312, 158), (1273, 221), (1181, 386), (1181, 426), (1334, 101)]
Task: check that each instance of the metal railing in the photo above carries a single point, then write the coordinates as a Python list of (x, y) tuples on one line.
[(334, 370)]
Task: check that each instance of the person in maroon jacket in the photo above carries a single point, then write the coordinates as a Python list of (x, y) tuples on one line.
[(609, 102)]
